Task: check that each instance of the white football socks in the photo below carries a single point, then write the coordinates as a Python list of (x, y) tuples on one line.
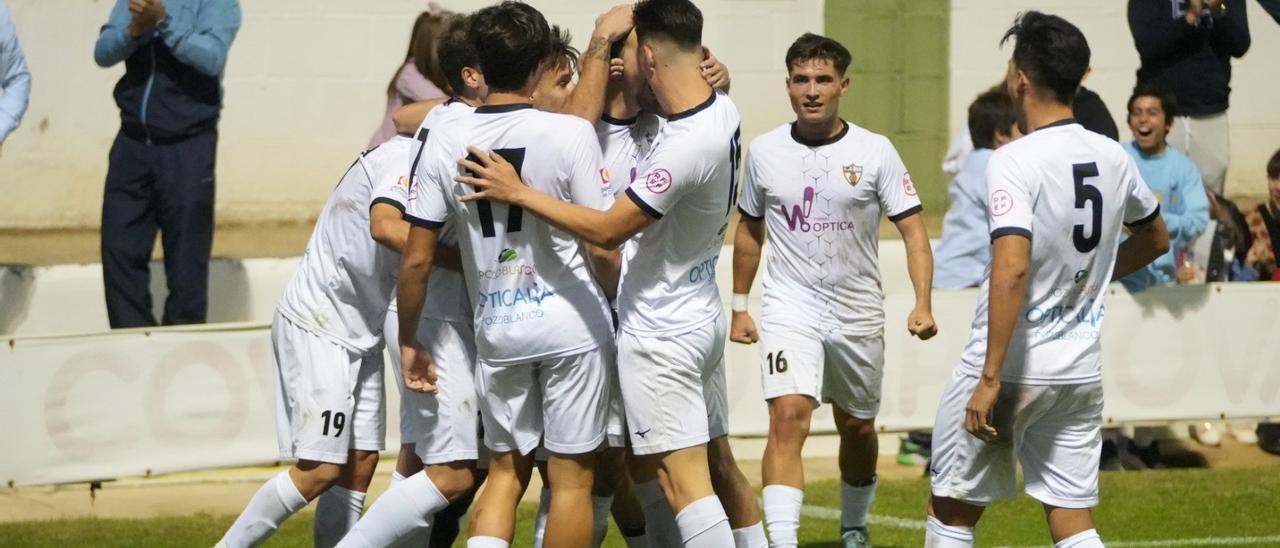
[(782, 514), (487, 542), (1083, 539), (599, 519), (406, 508), (937, 535), (751, 536), (703, 524), (659, 522), (337, 511), (540, 523), (274, 502), (855, 503)]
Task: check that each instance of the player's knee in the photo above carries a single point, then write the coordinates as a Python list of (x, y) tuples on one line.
[(455, 480), (849, 425), (318, 475), (789, 416), (364, 464)]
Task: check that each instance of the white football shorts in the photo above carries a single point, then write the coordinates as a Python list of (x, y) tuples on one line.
[(839, 368), (445, 426)]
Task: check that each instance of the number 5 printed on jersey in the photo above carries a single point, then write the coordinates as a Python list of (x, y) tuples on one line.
[(484, 207), (1087, 194)]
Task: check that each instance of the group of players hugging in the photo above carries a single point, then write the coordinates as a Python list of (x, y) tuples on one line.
[(538, 253)]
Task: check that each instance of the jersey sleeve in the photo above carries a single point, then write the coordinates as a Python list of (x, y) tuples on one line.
[(898, 197), (587, 176), (391, 187), (427, 206), (1009, 198), (1140, 205), (667, 175), (751, 201)]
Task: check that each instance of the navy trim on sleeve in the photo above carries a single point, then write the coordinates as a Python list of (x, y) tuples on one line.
[(749, 216), (385, 200), (1010, 231), (1146, 219), (424, 223), (909, 212), (648, 209)]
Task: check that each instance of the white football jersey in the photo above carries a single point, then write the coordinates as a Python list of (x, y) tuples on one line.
[(533, 294), (1070, 191), (821, 202), (448, 299), (345, 279), (623, 143), (688, 185)]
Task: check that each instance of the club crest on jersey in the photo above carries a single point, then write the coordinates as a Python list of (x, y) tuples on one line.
[(1001, 202), (906, 184), (658, 181), (853, 174)]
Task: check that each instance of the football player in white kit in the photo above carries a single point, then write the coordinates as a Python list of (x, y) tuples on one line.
[(327, 352), (820, 186), (671, 318), (440, 430), (542, 327), (1028, 387)]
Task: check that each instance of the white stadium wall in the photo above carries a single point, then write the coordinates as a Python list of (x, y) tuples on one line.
[(977, 63), (305, 88)]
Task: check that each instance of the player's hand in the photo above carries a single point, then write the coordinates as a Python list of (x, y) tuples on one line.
[(615, 24), (615, 68), (493, 176), (418, 369), (714, 71), (920, 323), (1194, 7), (978, 412), (742, 329)]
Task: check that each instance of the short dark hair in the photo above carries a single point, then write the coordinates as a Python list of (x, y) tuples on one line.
[(676, 20), (1052, 51), (812, 46), (562, 51), (1168, 103), (455, 52), (511, 40), (989, 114), (1273, 166)]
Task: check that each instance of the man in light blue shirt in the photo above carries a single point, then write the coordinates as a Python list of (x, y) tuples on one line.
[(1174, 179), (962, 255), (15, 79)]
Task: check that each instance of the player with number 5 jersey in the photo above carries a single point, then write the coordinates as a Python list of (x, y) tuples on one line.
[(1028, 389)]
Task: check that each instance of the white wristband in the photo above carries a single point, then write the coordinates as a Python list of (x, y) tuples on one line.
[(739, 302)]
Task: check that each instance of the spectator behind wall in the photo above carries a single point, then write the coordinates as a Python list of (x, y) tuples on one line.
[(1087, 108), (15, 79), (1174, 179), (1186, 48), (419, 77), (160, 173), (965, 248), (1264, 226)]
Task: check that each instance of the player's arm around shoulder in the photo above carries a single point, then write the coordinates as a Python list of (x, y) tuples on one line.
[(409, 117)]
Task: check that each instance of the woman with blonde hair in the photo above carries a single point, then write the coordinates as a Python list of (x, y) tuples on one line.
[(419, 78)]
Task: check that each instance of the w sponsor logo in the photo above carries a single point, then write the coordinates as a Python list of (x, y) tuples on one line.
[(799, 216)]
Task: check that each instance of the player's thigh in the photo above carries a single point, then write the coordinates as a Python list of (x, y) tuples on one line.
[(962, 467), (447, 422), (575, 400), (1060, 452), (853, 373), (790, 362), (315, 400), (391, 338), (715, 382), (662, 392), (369, 415), (510, 406), (616, 421)]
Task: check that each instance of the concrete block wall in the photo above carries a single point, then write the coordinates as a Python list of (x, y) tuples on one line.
[(304, 92), (977, 62)]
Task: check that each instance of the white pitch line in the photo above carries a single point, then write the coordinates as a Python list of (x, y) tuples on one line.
[(822, 512)]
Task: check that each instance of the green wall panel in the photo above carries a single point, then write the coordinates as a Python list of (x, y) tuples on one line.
[(899, 83)]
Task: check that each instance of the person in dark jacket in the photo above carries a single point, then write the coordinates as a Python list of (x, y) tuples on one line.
[(1186, 48), (161, 168)]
